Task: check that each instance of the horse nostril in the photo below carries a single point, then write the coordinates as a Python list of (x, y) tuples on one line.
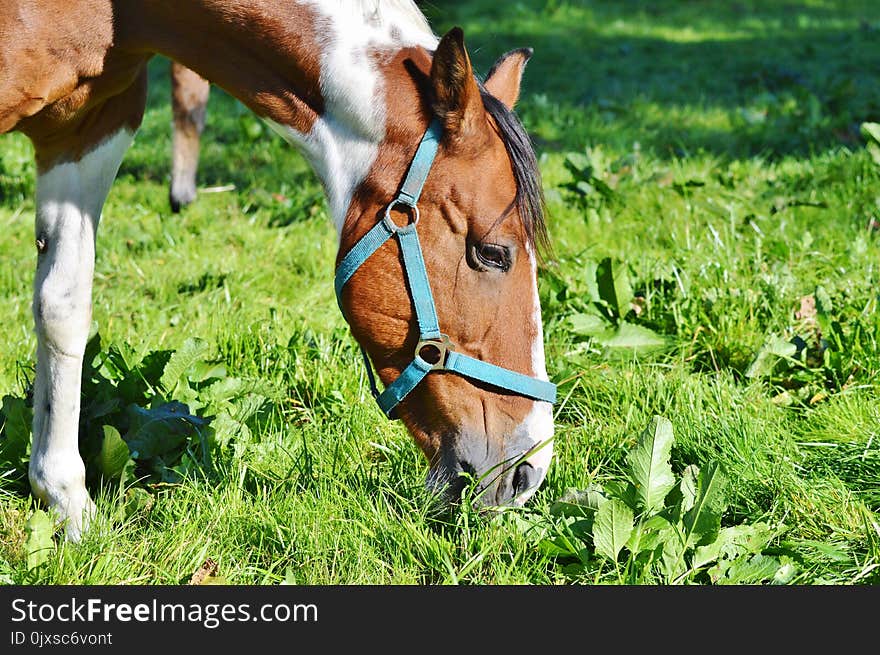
[(524, 478), (458, 479), (467, 468)]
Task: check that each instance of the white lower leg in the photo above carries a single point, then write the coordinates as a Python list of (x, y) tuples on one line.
[(70, 196)]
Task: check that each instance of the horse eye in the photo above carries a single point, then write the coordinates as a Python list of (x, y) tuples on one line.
[(491, 255)]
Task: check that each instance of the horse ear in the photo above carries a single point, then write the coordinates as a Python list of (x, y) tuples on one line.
[(504, 79), (457, 99)]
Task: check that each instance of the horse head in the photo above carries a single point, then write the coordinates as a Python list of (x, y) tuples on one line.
[(463, 359)]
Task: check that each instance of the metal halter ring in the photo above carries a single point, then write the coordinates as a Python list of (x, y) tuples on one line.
[(439, 350), (413, 214)]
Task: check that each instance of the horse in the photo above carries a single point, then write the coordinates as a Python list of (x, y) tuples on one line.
[(412, 149)]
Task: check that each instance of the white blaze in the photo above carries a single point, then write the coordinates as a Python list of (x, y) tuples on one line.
[(538, 423)]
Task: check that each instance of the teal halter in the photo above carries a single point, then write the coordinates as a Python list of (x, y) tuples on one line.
[(434, 352)]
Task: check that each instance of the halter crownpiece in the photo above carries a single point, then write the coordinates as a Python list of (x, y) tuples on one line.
[(435, 351)]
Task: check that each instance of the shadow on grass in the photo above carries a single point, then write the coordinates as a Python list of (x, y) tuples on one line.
[(734, 78)]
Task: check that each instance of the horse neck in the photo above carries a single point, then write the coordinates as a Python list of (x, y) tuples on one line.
[(315, 70)]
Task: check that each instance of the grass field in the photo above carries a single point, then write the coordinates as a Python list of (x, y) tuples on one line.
[(715, 219)]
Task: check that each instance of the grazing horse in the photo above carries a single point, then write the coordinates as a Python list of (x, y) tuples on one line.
[(431, 182)]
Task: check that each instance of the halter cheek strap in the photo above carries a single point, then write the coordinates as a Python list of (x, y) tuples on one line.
[(434, 352)]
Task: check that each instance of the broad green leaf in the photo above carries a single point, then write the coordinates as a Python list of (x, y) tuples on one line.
[(159, 430), (192, 350), (732, 542), (114, 453), (624, 491), (648, 466), (558, 546), (755, 537), (248, 406), (93, 349), (785, 573), (128, 475), (222, 390), (649, 534), (552, 288), (571, 570), (39, 544), (100, 409), (703, 521), (612, 278), (750, 570), (629, 336), (227, 428), (688, 486), (705, 555), (577, 502), (774, 349), (590, 272), (672, 561), (582, 528), (115, 365), (152, 366), (612, 528), (682, 497), (588, 325), (528, 526), (203, 371)]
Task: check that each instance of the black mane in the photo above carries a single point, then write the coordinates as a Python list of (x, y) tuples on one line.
[(529, 193)]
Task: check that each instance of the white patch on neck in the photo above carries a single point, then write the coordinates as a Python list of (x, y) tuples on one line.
[(343, 142)]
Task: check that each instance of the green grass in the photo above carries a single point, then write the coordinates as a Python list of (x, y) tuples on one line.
[(728, 136)]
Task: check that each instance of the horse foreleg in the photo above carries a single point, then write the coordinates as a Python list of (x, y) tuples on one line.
[(70, 196), (189, 99)]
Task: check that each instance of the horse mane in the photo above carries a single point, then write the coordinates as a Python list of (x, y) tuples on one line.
[(529, 198)]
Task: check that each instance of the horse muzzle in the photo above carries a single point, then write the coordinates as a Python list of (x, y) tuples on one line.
[(495, 472)]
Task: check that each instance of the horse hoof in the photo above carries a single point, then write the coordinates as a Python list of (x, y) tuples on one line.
[(181, 196), (70, 506), (77, 522)]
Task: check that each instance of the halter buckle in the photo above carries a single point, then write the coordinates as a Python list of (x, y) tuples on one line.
[(435, 351), (413, 215)]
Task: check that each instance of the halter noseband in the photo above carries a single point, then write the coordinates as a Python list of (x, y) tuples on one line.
[(434, 352)]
